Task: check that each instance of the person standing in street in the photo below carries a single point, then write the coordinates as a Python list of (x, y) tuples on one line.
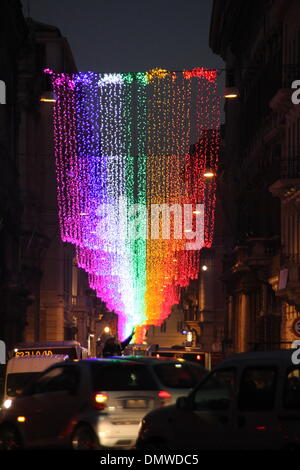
[(113, 347)]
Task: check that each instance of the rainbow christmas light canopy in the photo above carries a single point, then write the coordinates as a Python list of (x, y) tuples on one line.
[(131, 152)]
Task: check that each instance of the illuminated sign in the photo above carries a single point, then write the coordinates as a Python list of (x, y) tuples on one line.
[(34, 352), (71, 352)]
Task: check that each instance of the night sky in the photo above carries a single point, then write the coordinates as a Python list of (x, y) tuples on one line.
[(131, 35)]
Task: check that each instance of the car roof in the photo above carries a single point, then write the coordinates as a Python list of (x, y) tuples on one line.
[(34, 363), (105, 360), (157, 360), (91, 360), (132, 360), (253, 357)]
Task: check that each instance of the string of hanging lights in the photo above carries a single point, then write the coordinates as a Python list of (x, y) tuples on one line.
[(129, 182)]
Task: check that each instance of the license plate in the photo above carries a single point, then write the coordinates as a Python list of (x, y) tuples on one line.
[(134, 403)]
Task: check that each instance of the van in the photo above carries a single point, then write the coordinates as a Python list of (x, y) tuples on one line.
[(249, 401), (20, 370)]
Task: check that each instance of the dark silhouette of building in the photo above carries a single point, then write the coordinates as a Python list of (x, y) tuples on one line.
[(43, 293), (260, 44), (14, 295)]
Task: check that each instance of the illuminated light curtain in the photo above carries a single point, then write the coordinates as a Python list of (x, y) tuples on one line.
[(127, 137), (204, 156), (136, 195), (65, 147), (168, 142)]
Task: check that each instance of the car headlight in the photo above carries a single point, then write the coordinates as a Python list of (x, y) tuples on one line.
[(7, 403)]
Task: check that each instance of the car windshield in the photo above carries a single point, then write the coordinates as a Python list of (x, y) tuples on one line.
[(178, 375), (121, 377), (17, 382)]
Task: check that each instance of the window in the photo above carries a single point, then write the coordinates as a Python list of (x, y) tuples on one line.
[(257, 389), (217, 391), (178, 375), (16, 382), (163, 327), (57, 380), (292, 389), (121, 377)]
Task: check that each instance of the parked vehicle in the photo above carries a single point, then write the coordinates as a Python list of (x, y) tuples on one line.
[(206, 359), (135, 350), (93, 403), (21, 370), (49, 348), (249, 401)]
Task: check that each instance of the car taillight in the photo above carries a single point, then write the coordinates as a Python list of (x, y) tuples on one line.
[(164, 397), (164, 394), (100, 401)]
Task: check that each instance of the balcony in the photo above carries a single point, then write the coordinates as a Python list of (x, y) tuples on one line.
[(256, 251), (197, 317), (192, 315), (288, 186)]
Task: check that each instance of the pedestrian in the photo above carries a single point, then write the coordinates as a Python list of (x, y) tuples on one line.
[(113, 347)]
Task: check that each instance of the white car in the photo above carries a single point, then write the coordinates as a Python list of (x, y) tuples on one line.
[(249, 401)]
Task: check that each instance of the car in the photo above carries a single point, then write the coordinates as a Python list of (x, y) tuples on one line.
[(174, 378), (249, 401), (92, 403)]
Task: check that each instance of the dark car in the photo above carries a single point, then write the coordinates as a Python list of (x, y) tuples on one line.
[(249, 401)]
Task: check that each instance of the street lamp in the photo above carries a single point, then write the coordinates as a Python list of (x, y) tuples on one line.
[(106, 329), (48, 97), (189, 336), (231, 92), (209, 173)]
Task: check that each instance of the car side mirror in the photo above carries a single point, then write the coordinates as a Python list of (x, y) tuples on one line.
[(184, 403)]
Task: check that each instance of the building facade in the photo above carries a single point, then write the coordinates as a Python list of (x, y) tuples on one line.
[(14, 295), (62, 306), (256, 41)]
